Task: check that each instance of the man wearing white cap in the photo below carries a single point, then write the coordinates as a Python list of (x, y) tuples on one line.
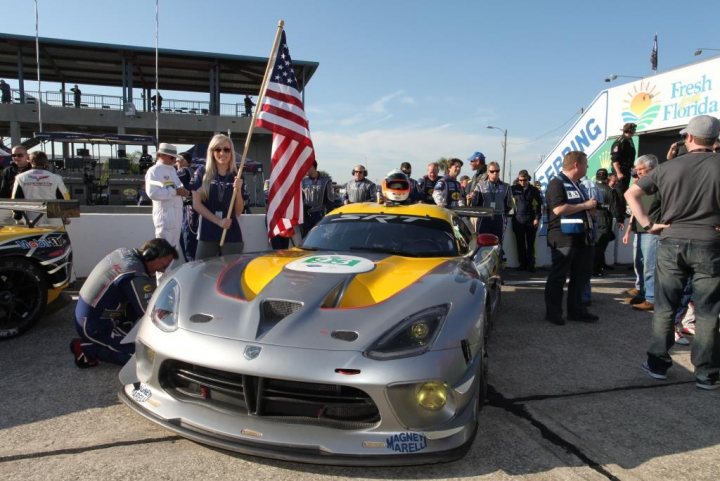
[(164, 188), (689, 248)]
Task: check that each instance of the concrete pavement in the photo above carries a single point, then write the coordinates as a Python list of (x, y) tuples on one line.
[(567, 402)]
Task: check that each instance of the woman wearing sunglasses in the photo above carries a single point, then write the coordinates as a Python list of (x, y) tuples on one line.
[(212, 187)]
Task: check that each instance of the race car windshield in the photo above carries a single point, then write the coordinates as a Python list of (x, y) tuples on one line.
[(397, 234)]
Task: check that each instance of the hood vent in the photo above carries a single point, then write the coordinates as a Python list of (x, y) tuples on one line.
[(273, 311)]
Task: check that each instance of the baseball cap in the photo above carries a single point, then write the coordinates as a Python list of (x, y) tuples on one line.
[(705, 126), (477, 155)]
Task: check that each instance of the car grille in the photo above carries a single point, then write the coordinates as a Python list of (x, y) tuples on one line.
[(342, 407)]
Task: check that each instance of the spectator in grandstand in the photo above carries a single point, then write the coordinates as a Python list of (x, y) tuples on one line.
[(77, 96)]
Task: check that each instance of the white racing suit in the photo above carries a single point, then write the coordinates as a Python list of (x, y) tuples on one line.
[(40, 184), (161, 184)]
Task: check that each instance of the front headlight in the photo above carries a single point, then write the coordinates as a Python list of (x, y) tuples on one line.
[(164, 310), (410, 337)]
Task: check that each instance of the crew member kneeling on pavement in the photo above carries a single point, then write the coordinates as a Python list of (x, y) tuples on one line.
[(113, 298)]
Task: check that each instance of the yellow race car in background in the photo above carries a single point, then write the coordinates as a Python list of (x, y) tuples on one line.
[(35, 262)]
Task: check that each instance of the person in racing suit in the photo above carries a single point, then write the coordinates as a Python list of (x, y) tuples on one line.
[(494, 194), (448, 192), (426, 183), (40, 184), (113, 298), (164, 187), (318, 196), (360, 189)]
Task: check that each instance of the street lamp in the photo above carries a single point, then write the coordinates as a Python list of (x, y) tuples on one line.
[(504, 131), (612, 77), (702, 49)]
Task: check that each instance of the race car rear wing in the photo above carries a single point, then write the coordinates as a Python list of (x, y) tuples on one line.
[(52, 209)]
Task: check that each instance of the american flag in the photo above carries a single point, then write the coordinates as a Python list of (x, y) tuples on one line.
[(282, 113)]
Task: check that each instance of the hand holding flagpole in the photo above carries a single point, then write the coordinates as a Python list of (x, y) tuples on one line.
[(268, 70)]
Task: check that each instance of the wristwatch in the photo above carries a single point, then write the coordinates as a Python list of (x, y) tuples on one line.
[(648, 227)]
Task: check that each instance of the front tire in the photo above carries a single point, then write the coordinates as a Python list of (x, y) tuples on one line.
[(23, 296)]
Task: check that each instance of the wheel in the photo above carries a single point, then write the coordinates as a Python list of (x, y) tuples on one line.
[(23, 296)]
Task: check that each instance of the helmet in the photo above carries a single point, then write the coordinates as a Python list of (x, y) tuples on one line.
[(396, 186)]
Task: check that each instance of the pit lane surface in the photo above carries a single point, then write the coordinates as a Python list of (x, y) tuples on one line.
[(567, 402)]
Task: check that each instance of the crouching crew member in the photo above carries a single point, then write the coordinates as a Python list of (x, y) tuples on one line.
[(113, 298)]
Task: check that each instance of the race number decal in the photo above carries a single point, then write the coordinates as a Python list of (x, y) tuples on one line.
[(332, 264)]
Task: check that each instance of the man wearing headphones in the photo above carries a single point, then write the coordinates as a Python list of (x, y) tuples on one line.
[(360, 189), (113, 298)]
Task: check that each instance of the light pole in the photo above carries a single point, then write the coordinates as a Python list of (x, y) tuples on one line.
[(504, 131), (702, 49), (612, 77)]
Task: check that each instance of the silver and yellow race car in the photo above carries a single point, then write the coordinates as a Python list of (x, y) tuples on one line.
[(367, 345)]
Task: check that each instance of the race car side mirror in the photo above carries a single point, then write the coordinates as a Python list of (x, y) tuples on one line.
[(487, 240)]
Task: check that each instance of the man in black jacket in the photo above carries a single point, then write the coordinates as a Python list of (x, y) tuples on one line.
[(20, 163), (608, 209), (527, 204)]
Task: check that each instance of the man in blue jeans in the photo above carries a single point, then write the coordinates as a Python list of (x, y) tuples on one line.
[(645, 243), (689, 189)]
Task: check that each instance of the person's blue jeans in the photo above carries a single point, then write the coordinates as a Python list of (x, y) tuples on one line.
[(677, 261), (648, 251), (638, 263)]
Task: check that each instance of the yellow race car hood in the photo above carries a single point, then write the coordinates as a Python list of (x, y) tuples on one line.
[(367, 279)]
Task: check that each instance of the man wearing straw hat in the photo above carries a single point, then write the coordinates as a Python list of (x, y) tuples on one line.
[(164, 188)]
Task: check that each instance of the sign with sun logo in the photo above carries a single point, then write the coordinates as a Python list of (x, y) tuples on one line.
[(641, 105)]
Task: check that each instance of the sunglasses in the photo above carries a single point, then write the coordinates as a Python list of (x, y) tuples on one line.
[(358, 172), (522, 180), (222, 149), (493, 171), (18, 155)]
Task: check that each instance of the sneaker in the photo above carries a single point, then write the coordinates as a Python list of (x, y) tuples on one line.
[(689, 329), (653, 374), (81, 360), (644, 306), (710, 385), (558, 321), (680, 339), (632, 292)]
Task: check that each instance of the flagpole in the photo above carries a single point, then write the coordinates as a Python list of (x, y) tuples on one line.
[(263, 87)]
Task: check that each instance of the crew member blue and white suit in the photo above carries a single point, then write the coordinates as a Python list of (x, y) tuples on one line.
[(112, 298)]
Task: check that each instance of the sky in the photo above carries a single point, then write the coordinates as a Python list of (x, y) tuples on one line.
[(413, 80)]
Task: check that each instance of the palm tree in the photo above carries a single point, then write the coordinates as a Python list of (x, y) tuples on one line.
[(443, 163)]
